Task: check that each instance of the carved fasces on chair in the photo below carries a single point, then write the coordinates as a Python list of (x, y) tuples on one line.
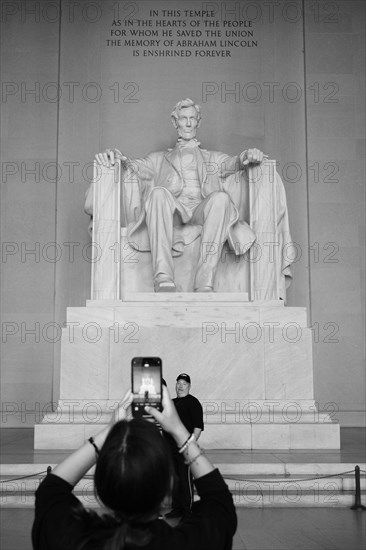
[(267, 199), (105, 278)]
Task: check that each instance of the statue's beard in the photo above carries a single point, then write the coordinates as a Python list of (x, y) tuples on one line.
[(183, 135)]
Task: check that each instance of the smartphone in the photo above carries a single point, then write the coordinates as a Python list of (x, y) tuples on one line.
[(146, 384)]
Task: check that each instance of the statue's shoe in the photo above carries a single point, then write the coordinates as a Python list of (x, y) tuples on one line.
[(165, 286), (204, 289)]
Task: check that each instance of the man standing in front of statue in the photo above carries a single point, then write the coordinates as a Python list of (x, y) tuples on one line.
[(191, 414), (174, 197)]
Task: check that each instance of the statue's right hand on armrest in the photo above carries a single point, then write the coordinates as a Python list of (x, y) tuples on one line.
[(109, 157)]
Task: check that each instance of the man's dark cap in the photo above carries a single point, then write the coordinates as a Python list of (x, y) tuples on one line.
[(185, 377)]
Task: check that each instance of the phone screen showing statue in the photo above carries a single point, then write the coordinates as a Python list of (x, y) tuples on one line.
[(146, 384)]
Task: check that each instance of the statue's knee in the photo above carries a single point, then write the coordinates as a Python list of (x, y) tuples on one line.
[(157, 195), (220, 199), (158, 192)]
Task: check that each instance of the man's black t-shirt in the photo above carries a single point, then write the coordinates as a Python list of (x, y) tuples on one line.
[(190, 412)]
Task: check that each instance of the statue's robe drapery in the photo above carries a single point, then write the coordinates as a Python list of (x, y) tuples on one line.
[(216, 172)]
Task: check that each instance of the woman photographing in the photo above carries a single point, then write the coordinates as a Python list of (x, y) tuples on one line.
[(133, 475)]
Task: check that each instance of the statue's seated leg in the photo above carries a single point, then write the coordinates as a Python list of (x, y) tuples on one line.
[(214, 213), (160, 207)]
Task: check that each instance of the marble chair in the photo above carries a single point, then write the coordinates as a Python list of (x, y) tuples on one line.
[(263, 273)]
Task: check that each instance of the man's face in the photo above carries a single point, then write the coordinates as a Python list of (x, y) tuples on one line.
[(182, 388), (187, 123)]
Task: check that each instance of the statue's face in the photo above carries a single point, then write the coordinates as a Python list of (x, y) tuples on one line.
[(187, 123)]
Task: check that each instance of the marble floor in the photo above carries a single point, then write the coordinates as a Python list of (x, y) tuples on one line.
[(258, 529), (268, 529)]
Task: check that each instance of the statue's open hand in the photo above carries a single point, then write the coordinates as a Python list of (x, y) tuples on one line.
[(252, 156), (109, 157)]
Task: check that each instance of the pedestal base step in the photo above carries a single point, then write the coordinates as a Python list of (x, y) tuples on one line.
[(250, 436)]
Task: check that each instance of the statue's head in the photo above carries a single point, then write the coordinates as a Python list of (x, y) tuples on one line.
[(186, 118)]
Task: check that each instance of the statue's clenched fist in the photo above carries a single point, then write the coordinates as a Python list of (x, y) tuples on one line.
[(252, 156)]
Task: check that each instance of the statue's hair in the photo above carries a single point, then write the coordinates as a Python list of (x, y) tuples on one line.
[(183, 104)]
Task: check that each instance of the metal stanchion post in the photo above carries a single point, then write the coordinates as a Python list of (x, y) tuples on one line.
[(357, 505)]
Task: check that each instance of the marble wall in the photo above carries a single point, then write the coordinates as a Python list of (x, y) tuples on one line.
[(29, 221), (322, 139), (335, 73)]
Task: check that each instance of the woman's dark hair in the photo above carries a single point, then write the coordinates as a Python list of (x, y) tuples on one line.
[(132, 476), (133, 471)]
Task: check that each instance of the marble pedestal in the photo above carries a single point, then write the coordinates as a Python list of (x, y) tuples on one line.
[(250, 363)]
